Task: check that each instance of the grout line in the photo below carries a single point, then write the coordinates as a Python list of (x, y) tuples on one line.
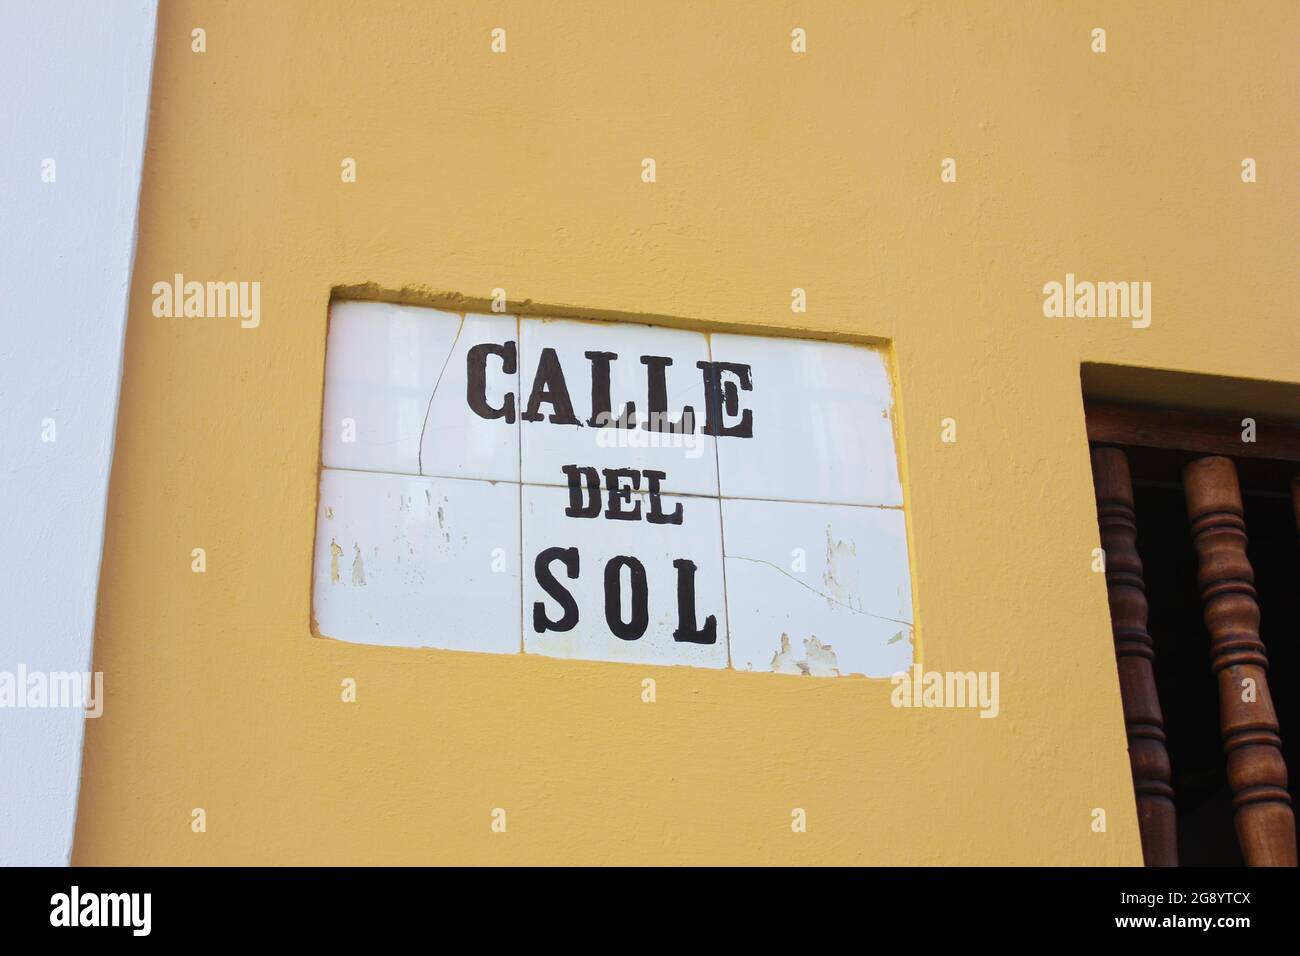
[(722, 533), (519, 365), (664, 492)]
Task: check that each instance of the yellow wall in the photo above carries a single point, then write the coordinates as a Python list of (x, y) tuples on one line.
[(774, 171)]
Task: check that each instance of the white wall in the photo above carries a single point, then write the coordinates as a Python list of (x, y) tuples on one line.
[(75, 77)]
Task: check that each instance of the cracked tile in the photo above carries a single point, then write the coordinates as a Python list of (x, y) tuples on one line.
[(817, 589), (381, 362), (459, 442)]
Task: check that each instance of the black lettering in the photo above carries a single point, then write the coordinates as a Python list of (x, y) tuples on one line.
[(602, 415), (686, 632), (657, 387), (655, 514), (722, 399), (476, 380), (542, 570), (614, 599), (577, 475), (548, 386), (619, 495)]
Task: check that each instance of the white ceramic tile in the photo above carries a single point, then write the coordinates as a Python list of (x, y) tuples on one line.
[(381, 361), (417, 562), (435, 560), (459, 441), (821, 423), (687, 459), (656, 547), (818, 589)]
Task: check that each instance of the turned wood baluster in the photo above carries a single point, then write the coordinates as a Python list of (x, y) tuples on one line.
[(1256, 768), (1135, 652)]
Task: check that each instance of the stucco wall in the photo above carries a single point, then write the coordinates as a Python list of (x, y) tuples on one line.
[(76, 90), (775, 170)]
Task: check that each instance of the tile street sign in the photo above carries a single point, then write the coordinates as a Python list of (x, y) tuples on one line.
[(610, 491)]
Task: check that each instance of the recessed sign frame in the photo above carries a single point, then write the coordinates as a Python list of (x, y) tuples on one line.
[(610, 491)]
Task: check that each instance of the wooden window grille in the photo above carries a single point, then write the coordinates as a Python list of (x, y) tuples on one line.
[(1206, 458)]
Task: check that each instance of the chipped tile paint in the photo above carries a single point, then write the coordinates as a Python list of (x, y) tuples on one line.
[(335, 553), (835, 551), (818, 659), (358, 568)]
